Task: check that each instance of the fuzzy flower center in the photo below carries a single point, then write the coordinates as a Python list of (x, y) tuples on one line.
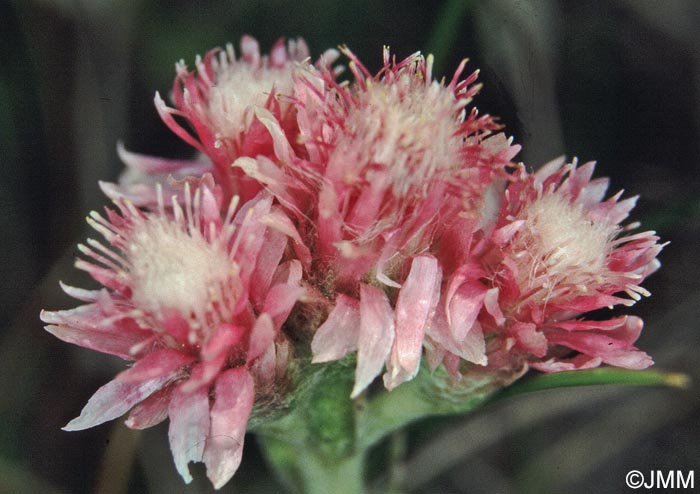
[(562, 244), (407, 128), (175, 269), (238, 89)]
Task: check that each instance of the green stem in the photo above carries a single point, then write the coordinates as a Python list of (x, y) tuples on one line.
[(303, 470), (425, 396), (312, 448), (321, 443)]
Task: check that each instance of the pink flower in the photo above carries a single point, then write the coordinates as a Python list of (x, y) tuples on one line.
[(137, 183), (196, 300), (400, 154), (399, 157), (222, 98), (555, 251)]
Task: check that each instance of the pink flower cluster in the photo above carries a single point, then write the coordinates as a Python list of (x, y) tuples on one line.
[(382, 217)]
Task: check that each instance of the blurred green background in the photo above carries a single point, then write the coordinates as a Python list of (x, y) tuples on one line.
[(617, 81)]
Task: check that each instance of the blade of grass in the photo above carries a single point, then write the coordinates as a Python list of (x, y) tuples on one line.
[(605, 375), (443, 36)]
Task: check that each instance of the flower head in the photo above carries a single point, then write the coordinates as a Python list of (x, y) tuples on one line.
[(192, 299), (401, 155), (220, 99), (557, 251)]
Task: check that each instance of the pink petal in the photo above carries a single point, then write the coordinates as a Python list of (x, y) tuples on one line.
[(104, 276), (579, 362), (330, 222), (251, 233), (154, 165), (250, 50), (233, 403), (264, 369), (214, 354), (339, 334), (278, 54), (266, 172), (492, 307), (594, 192), (281, 222), (159, 363), (210, 201), (261, 337), (505, 233), (225, 337), (472, 348), (614, 347), (283, 150), (189, 426), (548, 169), (464, 307), (592, 302), (166, 114), (280, 300), (204, 373), (414, 308), (117, 343), (529, 338), (268, 261), (631, 358), (583, 325), (116, 397), (376, 336), (151, 411)]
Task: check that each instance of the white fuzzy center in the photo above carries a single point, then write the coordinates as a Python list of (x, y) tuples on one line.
[(407, 128), (239, 88), (562, 244), (176, 269)]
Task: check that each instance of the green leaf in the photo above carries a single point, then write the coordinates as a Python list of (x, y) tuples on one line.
[(604, 375)]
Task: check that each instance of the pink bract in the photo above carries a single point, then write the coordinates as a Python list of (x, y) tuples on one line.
[(196, 299)]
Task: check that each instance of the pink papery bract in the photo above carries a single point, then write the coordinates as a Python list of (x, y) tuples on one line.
[(195, 296), (137, 183)]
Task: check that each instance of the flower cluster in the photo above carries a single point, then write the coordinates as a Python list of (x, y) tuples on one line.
[(383, 218)]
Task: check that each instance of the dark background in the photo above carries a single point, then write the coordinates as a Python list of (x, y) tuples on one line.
[(617, 81)]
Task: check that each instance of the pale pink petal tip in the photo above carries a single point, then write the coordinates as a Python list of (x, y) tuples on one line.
[(229, 416), (113, 400), (415, 308), (339, 334), (189, 427), (376, 336)]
